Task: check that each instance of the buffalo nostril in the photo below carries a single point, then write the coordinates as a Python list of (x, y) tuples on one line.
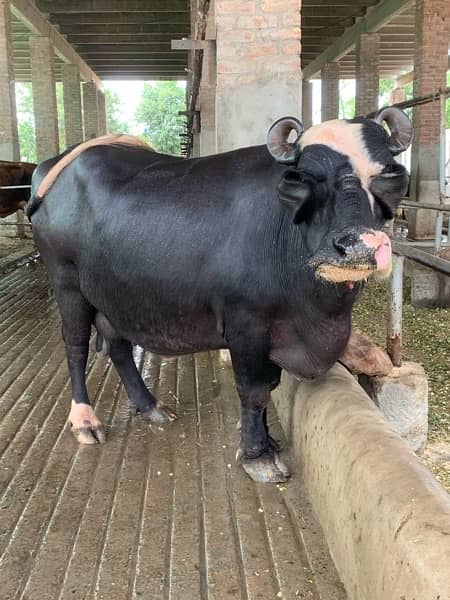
[(343, 244)]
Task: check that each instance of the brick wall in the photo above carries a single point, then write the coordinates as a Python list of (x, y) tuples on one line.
[(73, 120), (90, 110), (258, 68), (102, 119), (430, 67), (44, 97), (367, 73), (397, 95), (330, 91), (9, 141), (430, 63), (257, 38)]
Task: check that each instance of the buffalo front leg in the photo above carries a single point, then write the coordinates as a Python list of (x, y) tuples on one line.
[(255, 377), (139, 396)]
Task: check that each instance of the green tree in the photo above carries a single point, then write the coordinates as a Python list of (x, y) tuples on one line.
[(384, 92), (115, 123), (158, 112), (25, 122), (60, 109)]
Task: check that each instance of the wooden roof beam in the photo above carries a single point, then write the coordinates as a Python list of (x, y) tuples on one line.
[(122, 18), (173, 29), (27, 12), (84, 6), (376, 18)]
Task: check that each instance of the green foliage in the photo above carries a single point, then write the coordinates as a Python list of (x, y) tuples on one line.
[(25, 122), (158, 111), (60, 109), (384, 92), (115, 123), (346, 99)]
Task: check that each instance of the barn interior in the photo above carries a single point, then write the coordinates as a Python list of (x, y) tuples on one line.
[(165, 512)]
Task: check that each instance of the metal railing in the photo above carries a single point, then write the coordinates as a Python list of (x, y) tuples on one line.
[(402, 250)]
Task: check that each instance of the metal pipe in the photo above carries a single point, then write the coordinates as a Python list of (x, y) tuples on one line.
[(426, 205), (15, 187), (424, 258), (395, 306), (418, 101)]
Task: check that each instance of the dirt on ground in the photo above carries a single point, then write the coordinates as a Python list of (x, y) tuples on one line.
[(12, 247), (426, 341)]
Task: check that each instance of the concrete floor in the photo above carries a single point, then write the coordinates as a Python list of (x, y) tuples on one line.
[(155, 513)]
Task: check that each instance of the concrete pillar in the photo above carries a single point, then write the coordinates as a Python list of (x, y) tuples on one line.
[(330, 91), (258, 68), (90, 110), (72, 104), (44, 97), (102, 119), (9, 139), (307, 93), (430, 68), (367, 73)]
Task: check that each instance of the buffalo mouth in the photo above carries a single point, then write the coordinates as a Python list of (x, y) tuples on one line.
[(345, 273)]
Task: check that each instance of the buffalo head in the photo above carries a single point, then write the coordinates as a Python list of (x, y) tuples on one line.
[(341, 185)]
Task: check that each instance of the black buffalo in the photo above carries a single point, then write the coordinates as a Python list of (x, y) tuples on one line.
[(261, 250)]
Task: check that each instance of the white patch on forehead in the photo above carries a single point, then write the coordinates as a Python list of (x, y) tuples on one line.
[(347, 139)]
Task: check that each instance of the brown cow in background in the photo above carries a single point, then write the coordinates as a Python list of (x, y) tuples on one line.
[(14, 173)]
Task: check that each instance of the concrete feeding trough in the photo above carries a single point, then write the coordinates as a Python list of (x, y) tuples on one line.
[(386, 519)]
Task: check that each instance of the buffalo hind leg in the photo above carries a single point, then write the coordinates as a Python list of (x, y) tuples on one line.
[(121, 353), (77, 317), (256, 375)]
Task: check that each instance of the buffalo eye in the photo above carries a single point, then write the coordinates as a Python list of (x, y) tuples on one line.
[(390, 186), (295, 194)]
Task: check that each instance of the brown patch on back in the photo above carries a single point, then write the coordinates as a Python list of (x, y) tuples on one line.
[(104, 140)]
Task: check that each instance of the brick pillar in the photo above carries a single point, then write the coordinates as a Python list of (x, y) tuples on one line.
[(258, 68), (90, 110), (397, 95), (430, 68), (307, 93), (367, 73), (9, 140), (102, 119), (330, 91), (72, 104), (44, 97), (207, 101)]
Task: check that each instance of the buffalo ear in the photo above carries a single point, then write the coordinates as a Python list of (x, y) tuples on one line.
[(280, 148), (294, 195), (391, 185)]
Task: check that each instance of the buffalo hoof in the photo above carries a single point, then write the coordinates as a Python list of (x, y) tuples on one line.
[(266, 468), (85, 426), (159, 414)]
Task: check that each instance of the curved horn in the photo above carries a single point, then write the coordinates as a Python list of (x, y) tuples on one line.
[(283, 151), (400, 127)]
